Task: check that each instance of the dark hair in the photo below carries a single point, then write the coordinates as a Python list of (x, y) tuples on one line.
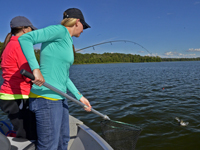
[(74, 49), (14, 31)]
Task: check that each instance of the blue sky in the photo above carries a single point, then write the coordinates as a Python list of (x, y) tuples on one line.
[(166, 28)]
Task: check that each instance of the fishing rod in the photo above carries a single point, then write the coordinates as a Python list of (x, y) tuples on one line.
[(111, 44)]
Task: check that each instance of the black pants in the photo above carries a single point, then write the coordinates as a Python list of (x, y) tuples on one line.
[(22, 119)]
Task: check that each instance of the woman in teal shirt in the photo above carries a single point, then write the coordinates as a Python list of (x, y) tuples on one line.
[(56, 57)]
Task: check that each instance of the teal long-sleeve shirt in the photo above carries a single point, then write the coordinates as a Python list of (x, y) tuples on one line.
[(56, 57)]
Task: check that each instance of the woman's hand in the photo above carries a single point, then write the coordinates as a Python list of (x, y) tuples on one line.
[(86, 102), (39, 79)]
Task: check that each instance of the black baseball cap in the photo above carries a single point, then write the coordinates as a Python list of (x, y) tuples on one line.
[(76, 13), (21, 21)]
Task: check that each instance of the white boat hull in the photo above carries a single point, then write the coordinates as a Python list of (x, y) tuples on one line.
[(81, 138)]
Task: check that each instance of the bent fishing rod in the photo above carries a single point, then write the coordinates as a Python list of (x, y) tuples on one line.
[(111, 44), (31, 76)]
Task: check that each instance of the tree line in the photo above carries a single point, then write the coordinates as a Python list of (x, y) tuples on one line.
[(1, 45), (112, 58), (108, 58), (181, 59), (118, 57), (105, 57), (115, 58)]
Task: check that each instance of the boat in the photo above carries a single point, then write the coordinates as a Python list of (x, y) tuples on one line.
[(81, 138)]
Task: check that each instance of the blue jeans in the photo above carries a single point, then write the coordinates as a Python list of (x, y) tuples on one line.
[(52, 120)]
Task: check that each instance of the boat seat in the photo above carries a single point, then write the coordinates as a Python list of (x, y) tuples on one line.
[(4, 142), (21, 144)]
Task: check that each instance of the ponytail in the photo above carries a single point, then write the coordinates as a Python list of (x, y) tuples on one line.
[(74, 49), (68, 22), (14, 31), (7, 39)]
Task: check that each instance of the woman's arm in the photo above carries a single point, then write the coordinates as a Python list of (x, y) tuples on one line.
[(48, 34), (72, 88)]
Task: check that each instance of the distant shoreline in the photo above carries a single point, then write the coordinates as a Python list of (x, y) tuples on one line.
[(132, 62)]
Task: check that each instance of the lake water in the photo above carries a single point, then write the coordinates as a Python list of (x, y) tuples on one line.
[(148, 95)]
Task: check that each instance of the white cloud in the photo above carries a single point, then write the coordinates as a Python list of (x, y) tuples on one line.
[(152, 54), (193, 50), (170, 53), (178, 55), (140, 51)]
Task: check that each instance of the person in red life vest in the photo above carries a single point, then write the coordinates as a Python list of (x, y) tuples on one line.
[(15, 89)]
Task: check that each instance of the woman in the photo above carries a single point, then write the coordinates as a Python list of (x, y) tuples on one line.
[(56, 57), (16, 88)]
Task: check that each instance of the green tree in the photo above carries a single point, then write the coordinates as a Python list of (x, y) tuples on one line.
[(37, 54), (1, 45)]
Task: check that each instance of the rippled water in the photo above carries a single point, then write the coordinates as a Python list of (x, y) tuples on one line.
[(148, 95)]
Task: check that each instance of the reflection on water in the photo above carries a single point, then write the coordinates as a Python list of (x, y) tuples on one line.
[(148, 95)]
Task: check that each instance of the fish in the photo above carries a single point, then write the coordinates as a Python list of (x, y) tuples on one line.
[(181, 122)]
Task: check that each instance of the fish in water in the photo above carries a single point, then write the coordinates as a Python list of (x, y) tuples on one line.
[(181, 122)]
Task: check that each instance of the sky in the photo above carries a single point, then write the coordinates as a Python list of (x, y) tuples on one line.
[(164, 28)]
